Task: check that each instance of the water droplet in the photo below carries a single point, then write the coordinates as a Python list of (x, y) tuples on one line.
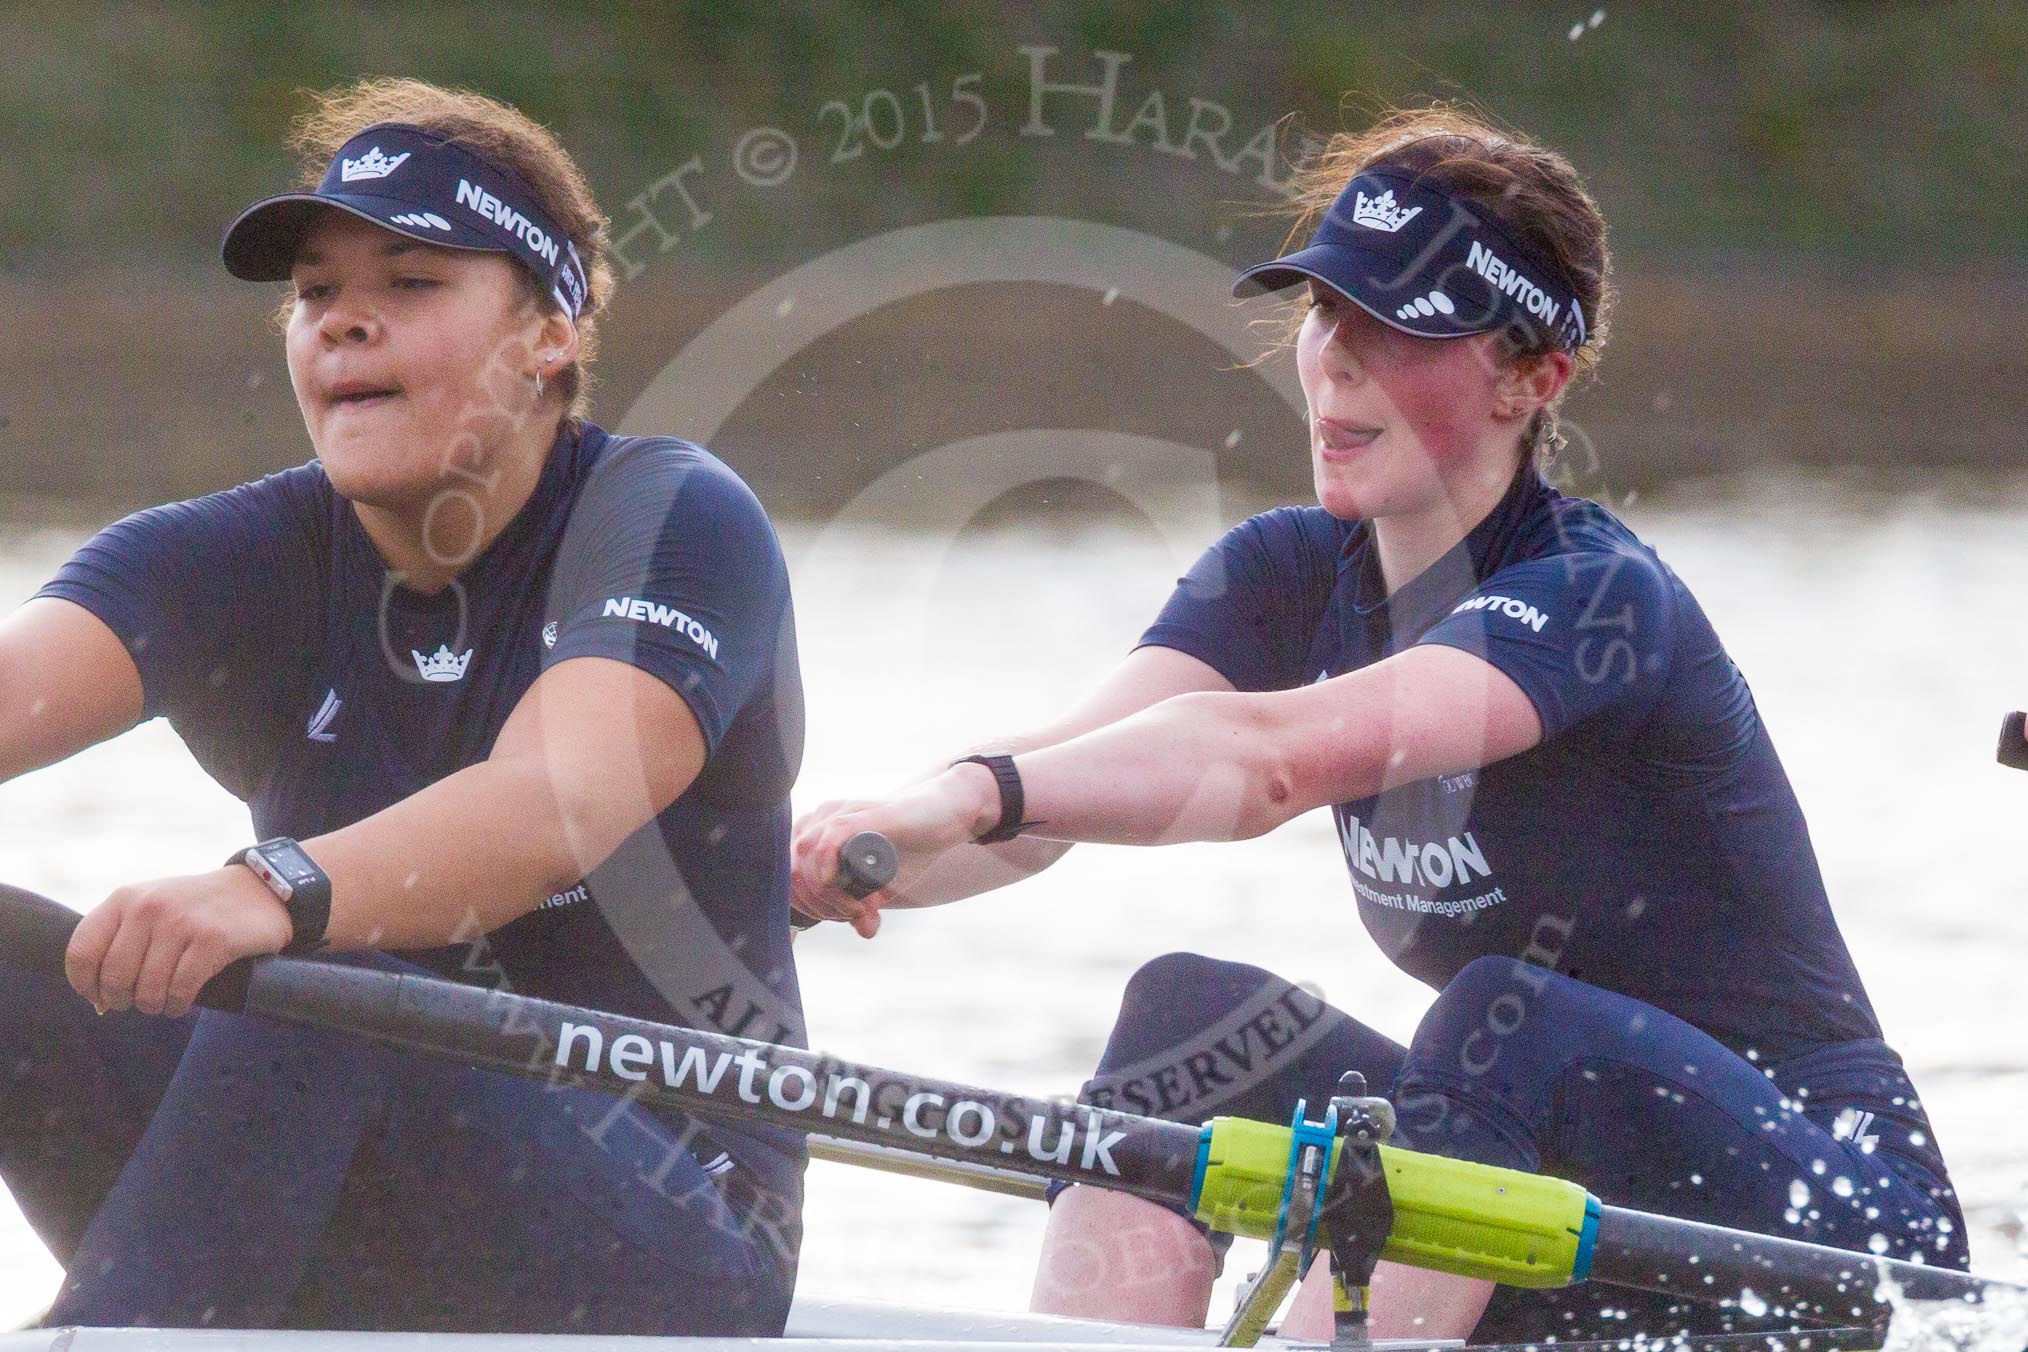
[(1817, 1168), (1799, 1194), (1752, 1303), (1916, 1138), (1842, 1186), (1877, 1244), (1112, 294), (1697, 1179)]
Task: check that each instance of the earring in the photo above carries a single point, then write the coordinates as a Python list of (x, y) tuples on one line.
[(538, 384)]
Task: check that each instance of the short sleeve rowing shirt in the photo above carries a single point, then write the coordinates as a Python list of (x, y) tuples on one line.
[(313, 685), (1650, 845)]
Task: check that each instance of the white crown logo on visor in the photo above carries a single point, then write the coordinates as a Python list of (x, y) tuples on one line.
[(372, 164), (1381, 213)]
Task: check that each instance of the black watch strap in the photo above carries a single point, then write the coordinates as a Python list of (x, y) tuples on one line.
[(303, 889), (1012, 799)]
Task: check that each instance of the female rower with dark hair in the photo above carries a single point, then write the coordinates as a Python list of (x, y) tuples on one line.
[(1557, 801), (508, 696)]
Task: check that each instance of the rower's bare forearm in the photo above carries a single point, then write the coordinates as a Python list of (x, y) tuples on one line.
[(971, 870), (456, 860), (1205, 766)]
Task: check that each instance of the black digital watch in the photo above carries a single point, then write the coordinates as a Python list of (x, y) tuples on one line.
[(1013, 801), (302, 888)]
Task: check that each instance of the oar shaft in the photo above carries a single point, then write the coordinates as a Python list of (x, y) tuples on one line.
[(721, 1076), (1445, 1210), (1806, 1281), (913, 1164)]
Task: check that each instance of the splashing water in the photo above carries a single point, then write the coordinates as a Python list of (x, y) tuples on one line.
[(1999, 1323)]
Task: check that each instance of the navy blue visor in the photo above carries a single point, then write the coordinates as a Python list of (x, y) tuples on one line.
[(1427, 263), (421, 184)]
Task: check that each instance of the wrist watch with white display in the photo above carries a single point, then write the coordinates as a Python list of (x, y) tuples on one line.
[(302, 888)]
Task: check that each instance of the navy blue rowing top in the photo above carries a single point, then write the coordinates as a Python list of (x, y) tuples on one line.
[(1650, 845), (312, 685)]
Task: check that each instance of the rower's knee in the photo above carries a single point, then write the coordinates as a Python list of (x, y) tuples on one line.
[(1187, 992), (1168, 1005), (1173, 987)]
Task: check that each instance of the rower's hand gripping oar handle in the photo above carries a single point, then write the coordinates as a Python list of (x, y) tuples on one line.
[(866, 863), (35, 934)]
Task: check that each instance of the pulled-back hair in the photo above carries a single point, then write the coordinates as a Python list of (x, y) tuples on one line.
[(1529, 188), (510, 139)]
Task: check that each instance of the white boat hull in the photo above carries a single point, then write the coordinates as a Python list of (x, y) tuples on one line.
[(815, 1322)]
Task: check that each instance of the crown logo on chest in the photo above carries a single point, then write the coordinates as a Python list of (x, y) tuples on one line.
[(443, 664)]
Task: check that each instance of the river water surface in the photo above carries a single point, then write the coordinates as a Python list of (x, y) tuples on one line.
[(1879, 623)]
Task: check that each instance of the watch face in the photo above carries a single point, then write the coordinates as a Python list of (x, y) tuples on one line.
[(266, 872), (282, 866)]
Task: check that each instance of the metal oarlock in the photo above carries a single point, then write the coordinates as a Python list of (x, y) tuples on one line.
[(1263, 1295), (1338, 1159), (1358, 1209)]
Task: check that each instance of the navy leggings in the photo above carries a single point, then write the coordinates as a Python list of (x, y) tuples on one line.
[(1518, 1066), (231, 1171)]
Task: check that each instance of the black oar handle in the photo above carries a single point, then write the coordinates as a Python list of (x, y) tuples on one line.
[(866, 863), (35, 934), (2014, 741)]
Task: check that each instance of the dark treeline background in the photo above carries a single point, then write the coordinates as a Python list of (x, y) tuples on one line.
[(1818, 211)]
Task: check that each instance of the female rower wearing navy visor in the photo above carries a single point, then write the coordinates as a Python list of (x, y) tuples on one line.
[(1558, 804), (508, 696)]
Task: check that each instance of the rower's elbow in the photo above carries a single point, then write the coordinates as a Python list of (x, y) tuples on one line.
[(1288, 769), (1271, 800), (1257, 758)]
